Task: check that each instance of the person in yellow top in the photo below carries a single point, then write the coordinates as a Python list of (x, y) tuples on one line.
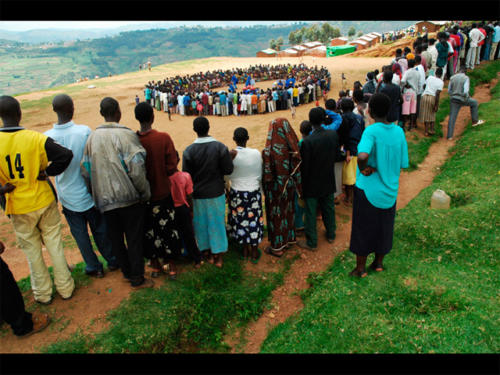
[(295, 96), (30, 200)]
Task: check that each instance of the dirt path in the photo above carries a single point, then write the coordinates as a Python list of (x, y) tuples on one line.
[(285, 299), (87, 309)]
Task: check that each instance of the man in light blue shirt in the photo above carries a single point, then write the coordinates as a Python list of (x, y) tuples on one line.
[(495, 40), (78, 206), (382, 152)]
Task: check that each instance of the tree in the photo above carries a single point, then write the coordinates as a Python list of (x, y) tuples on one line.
[(298, 36), (313, 33), (292, 38), (351, 31), (279, 43), (272, 44), (360, 33), (336, 32)]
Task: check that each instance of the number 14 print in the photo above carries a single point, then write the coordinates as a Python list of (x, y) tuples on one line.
[(17, 164)]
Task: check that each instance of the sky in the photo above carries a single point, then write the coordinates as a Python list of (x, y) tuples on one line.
[(78, 25)]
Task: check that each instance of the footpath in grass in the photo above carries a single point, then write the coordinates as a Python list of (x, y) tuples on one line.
[(439, 293), (418, 150), (191, 314)]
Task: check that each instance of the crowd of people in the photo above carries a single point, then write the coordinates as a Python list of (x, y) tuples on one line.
[(415, 77), (197, 94), (127, 188)]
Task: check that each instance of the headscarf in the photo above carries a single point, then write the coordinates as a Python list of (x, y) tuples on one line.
[(281, 156), (396, 68), (410, 56)]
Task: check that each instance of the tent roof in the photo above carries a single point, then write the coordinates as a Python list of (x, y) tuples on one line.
[(312, 44), (268, 51)]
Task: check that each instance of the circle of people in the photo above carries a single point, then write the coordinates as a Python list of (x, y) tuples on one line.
[(126, 185), (197, 95)]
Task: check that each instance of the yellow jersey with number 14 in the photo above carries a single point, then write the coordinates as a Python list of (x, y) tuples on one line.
[(22, 157)]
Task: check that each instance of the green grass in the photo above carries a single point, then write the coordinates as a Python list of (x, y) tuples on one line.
[(418, 151), (192, 314), (440, 292)]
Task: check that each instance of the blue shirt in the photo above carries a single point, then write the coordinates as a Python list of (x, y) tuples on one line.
[(71, 188), (222, 99), (388, 150), (496, 35), (337, 120)]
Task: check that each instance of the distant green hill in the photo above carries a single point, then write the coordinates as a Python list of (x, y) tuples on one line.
[(25, 68)]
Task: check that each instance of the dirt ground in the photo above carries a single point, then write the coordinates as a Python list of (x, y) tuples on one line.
[(106, 294)]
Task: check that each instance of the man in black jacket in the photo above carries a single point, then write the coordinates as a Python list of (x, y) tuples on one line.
[(207, 161), (319, 152)]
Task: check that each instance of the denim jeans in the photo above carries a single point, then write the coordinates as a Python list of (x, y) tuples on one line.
[(77, 222)]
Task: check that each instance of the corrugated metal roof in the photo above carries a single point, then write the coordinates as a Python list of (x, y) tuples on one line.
[(268, 51), (289, 50), (359, 42)]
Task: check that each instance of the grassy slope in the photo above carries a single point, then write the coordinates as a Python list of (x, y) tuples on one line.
[(191, 314), (419, 150), (440, 290)]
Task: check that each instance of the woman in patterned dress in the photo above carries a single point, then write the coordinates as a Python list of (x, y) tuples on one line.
[(280, 180), (245, 221)]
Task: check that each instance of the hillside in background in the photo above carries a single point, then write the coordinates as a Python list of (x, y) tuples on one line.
[(25, 67)]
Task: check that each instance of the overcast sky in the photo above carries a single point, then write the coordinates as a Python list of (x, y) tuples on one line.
[(31, 25)]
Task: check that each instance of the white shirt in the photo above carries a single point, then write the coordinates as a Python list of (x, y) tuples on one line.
[(412, 76), (395, 79), (421, 71), (247, 172), (432, 85), (434, 55), (476, 36), (180, 100)]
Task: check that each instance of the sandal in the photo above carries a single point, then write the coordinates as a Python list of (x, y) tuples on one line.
[(269, 251), (255, 261), (356, 273), (377, 267)]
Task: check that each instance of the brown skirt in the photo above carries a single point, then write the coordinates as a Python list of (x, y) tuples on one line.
[(427, 113)]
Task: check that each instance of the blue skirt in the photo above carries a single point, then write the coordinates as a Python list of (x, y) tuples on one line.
[(244, 219), (209, 224)]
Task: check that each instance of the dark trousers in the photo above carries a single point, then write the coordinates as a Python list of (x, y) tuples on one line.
[(185, 228), (327, 206), (77, 222), (12, 303), (128, 223)]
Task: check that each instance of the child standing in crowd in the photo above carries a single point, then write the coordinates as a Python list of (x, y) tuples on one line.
[(181, 187), (354, 128), (409, 106)]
